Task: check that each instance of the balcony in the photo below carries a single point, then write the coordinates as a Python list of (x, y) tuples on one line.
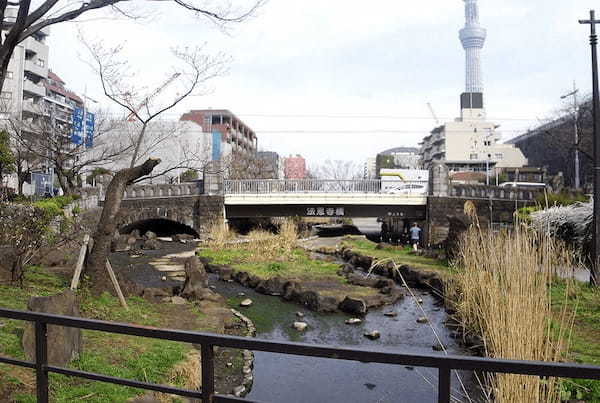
[(31, 87), (33, 107), (40, 49), (33, 68)]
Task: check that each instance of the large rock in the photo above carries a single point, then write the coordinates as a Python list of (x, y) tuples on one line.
[(64, 343), (151, 244), (155, 294), (272, 286), (354, 306), (150, 235), (196, 279), (182, 237)]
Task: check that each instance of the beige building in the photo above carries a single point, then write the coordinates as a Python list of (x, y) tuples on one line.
[(470, 143)]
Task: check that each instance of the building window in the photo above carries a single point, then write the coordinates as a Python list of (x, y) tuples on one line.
[(5, 95), (473, 156), (498, 156), (40, 62), (487, 143)]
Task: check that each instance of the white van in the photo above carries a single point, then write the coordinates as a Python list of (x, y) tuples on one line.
[(523, 185)]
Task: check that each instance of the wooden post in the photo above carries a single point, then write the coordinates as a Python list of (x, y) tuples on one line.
[(80, 261), (113, 278)]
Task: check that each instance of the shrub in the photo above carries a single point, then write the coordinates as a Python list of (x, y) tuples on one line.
[(24, 229)]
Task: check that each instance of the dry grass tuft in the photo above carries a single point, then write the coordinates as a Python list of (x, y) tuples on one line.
[(220, 234), (265, 245), (502, 293), (186, 374)]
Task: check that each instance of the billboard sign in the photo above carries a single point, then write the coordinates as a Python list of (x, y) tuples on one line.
[(89, 129), (77, 132)]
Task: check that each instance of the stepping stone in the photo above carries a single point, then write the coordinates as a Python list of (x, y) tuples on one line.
[(374, 335), (246, 303), (353, 321), (300, 326)]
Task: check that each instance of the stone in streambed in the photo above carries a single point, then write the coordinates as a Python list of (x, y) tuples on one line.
[(422, 319), (353, 321), (391, 314), (374, 335), (246, 303), (300, 326)]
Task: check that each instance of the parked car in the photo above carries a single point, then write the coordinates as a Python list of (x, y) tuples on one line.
[(523, 185), (409, 189)]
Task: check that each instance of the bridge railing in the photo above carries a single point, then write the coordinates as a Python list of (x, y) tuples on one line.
[(445, 364), (163, 190), (494, 192), (265, 186)]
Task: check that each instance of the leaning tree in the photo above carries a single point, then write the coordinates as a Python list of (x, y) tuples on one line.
[(144, 131)]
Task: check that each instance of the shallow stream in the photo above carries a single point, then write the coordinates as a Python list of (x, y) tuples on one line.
[(287, 378), (290, 379)]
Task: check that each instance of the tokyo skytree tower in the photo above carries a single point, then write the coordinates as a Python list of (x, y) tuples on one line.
[(472, 37)]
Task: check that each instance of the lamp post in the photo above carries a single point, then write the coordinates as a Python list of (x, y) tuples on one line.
[(576, 130), (595, 269)]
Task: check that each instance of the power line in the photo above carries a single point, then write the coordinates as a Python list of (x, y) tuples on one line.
[(358, 116)]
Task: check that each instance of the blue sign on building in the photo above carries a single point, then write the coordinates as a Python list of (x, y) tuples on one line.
[(89, 129), (77, 133), (216, 145)]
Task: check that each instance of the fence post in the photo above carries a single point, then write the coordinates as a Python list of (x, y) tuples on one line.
[(208, 373), (41, 361), (444, 385)]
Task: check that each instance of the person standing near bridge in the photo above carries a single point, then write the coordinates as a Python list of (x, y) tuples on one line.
[(415, 236)]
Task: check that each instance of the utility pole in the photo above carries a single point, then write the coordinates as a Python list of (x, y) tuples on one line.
[(595, 270), (576, 131)]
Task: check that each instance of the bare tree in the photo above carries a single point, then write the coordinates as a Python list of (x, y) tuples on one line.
[(46, 140), (144, 109), (338, 170), (248, 165), (21, 19), (553, 144)]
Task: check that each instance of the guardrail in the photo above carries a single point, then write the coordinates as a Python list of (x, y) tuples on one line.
[(265, 186), (262, 186), (444, 363)]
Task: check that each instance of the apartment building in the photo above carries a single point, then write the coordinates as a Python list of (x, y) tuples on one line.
[(294, 167), (228, 133), (24, 86)]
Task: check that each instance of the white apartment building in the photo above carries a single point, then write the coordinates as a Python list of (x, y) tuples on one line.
[(470, 143)]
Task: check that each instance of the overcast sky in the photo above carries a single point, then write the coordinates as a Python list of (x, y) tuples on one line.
[(345, 79)]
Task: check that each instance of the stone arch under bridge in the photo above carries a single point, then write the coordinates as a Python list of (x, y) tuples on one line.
[(196, 212)]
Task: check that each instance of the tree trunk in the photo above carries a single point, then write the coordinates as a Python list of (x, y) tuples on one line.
[(107, 225)]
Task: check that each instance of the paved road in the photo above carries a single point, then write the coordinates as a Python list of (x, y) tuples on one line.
[(368, 226)]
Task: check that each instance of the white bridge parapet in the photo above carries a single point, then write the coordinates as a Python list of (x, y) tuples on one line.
[(319, 191), (262, 186), (326, 199)]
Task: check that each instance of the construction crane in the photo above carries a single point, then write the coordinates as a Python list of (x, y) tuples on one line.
[(155, 93), (437, 121)]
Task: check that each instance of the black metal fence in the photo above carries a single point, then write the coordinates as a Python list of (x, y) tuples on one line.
[(444, 363)]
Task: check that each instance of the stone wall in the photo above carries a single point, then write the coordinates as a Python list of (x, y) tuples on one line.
[(439, 208), (196, 212)]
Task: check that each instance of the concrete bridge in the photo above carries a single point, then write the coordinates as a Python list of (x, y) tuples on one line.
[(197, 204)]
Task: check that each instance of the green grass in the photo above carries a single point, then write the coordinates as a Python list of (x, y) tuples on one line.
[(297, 264), (110, 354), (400, 255)]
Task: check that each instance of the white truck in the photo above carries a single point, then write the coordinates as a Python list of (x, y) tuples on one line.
[(404, 181)]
